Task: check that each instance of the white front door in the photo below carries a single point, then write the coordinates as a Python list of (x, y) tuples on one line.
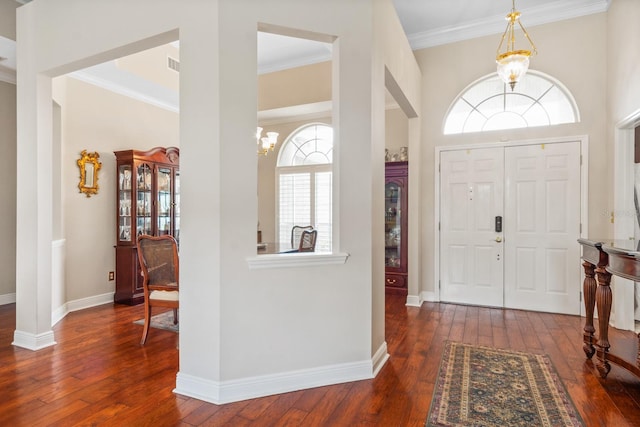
[(471, 269), (542, 207), (534, 263)]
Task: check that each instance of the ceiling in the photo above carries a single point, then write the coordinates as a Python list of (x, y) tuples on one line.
[(427, 23), (434, 22)]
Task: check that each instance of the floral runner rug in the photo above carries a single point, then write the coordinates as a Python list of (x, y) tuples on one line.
[(483, 386)]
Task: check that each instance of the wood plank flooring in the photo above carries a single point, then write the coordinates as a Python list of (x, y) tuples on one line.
[(98, 374)]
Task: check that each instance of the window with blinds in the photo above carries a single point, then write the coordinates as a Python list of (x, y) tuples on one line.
[(304, 176)]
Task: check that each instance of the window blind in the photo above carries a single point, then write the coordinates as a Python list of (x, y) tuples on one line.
[(295, 202)]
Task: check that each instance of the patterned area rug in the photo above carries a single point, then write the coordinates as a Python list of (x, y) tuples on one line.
[(162, 321), (483, 386)]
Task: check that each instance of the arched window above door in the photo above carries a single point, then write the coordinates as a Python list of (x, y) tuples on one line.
[(489, 104)]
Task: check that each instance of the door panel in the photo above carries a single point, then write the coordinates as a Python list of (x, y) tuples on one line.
[(542, 225), (471, 191), (536, 265)]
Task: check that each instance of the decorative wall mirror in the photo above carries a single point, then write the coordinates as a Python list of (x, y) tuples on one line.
[(89, 164)]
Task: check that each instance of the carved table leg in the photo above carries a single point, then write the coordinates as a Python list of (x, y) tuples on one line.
[(589, 290), (638, 357), (603, 301)]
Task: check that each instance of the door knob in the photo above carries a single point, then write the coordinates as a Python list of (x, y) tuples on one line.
[(498, 239)]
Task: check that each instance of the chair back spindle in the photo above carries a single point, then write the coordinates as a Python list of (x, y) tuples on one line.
[(296, 234)]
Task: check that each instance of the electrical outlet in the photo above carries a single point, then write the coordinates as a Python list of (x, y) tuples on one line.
[(111, 275)]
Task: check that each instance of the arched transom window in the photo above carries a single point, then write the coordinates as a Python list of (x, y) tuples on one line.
[(308, 145), (489, 104), (304, 180)]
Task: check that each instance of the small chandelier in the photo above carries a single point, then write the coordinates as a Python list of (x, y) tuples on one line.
[(266, 143), (513, 63)]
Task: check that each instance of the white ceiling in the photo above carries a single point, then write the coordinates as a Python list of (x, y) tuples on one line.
[(426, 22), (433, 22), (430, 23)]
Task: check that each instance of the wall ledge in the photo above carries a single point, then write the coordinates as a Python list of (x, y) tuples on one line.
[(295, 260)]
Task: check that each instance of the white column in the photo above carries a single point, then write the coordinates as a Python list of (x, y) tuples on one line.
[(34, 197)]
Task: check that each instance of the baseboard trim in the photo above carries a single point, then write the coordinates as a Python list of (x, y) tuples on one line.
[(414, 300), (80, 304), (429, 296), (33, 341), (8, 299), (380, 358), (249, 388)]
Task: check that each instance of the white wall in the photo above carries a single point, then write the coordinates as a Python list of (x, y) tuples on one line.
[(396, 130), (7, 166), (8, 18), (623, 85), (572, 51), (236, 324), (7, 192), (623, 60)]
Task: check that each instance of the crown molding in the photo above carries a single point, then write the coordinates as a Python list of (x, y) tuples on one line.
[(110, 77), (532, 16), (312, 111), (293, 63)]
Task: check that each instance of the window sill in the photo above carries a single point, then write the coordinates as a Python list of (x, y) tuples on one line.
[(295, 260)]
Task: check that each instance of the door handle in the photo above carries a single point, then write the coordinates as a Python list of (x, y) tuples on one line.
[(498, 239)]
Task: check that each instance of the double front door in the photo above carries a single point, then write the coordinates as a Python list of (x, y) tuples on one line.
[(509, 224)]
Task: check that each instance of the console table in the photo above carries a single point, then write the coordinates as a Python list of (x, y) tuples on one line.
[(602, 259)]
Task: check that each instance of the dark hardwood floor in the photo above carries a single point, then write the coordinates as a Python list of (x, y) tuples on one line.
[(98, 374)]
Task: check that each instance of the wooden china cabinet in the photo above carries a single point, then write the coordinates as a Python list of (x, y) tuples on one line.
[(148, 202), (395, 226)]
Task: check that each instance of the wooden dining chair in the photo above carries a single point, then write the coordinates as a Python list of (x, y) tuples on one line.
[(308, 241), (296, 234), (160, 271)]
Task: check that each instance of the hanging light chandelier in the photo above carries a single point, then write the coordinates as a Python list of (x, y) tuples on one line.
[(513, 63), (266, 143)]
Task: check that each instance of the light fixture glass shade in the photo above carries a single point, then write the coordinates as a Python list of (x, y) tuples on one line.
[(512, 66), (273, 137), (513, 63), (266, 143)]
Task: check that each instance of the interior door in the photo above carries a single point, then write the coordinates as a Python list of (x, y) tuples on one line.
[(542, 225), (471, 250)]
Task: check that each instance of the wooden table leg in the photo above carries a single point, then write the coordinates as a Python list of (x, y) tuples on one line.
[(638, 356), (603, 301), (589, 290)]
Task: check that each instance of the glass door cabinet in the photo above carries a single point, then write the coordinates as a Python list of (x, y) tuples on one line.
[(147, 202), (395, 227)]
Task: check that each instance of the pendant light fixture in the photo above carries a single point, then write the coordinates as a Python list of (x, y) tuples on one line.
[(513, 63)]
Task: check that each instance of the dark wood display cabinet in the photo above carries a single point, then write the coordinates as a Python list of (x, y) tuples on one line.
[(395, 226), (148, 202)]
